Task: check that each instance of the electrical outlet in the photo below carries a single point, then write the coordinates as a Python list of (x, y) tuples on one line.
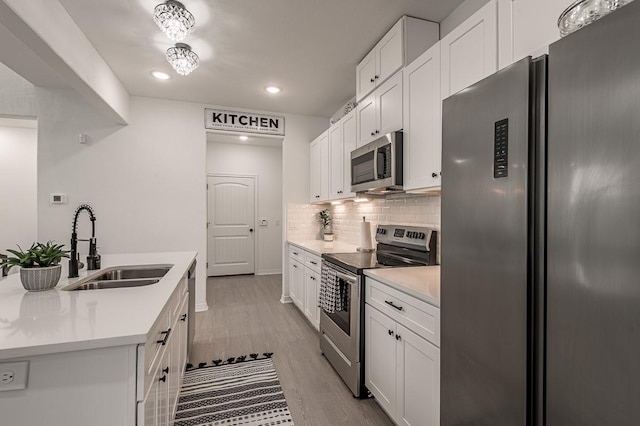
[(13, 375), (6, 377)]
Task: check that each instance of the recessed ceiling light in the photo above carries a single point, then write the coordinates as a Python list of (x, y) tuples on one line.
[(273, 89), (244, 138), (160, 75)]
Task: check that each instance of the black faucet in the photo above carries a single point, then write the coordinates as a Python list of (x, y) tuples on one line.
[(93, 260)]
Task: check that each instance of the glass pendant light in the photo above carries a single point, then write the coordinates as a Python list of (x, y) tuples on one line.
[(182, 58), (174, 20)]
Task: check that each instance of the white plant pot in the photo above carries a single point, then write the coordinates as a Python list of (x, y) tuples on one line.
[(40, 279)]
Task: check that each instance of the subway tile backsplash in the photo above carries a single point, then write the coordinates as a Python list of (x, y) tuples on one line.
[(399, 209)]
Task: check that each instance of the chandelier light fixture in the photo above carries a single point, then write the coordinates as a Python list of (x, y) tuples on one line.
[(174, 20), (182, 58)]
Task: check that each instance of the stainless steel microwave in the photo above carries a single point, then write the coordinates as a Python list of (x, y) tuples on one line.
[(377, 166)]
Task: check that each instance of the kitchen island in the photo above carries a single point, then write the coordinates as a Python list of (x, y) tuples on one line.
[(99, 357)]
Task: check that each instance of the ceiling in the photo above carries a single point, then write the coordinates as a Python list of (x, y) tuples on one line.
[(310, 48)]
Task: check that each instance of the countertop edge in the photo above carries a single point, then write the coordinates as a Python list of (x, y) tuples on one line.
[(314, 246), (371, 273)]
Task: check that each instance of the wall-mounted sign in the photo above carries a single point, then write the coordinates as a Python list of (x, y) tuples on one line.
[(244, 122)]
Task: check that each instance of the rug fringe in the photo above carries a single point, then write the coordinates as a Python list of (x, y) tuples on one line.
[(232, 360)]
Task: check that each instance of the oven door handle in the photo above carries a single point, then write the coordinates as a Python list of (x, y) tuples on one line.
[(347, 278)]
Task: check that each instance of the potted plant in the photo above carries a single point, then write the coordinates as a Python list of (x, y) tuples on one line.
[(325, 217), (39, 266)]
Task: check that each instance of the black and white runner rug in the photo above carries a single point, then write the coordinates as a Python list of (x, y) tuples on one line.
[(239, 391)]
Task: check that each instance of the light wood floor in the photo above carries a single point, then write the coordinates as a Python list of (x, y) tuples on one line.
[(245, 315)]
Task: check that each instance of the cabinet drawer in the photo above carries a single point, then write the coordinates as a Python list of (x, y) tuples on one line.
[(417, 315), (312, 261), (296, 253)]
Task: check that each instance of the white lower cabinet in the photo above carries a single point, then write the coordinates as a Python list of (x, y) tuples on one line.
[(162, 360), (418, 379), (402, 368), (312, 294), (304, 283), (296, 283)]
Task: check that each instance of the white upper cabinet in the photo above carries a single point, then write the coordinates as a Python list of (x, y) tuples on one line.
[(380, 112), (404, 42), (365, 75), (470, 52), (535, 25), (422, 138), (342, 140), (319, 168), (389, 105), (389, 53)]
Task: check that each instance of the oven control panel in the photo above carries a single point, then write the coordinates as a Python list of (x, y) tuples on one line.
[(408, 236)]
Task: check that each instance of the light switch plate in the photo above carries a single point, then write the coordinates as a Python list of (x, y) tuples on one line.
[(13, 375), (57, 198)]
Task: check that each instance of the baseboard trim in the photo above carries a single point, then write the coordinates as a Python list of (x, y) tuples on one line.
[(270, 272), (202, 306), (286, 299)]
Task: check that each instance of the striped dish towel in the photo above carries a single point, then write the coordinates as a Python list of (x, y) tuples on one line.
[(330, 300)]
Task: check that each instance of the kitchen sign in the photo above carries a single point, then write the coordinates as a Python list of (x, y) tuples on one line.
[(241, 121)]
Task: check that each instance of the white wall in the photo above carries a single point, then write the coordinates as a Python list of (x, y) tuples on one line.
[(18, 186), (265, 162), (146, 181), (17, 95)]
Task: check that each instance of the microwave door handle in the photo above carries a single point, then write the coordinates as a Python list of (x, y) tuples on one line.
[(375, 164), (381, 161)]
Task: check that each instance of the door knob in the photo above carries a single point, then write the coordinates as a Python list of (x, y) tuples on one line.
[(434, 175), (250, 229)]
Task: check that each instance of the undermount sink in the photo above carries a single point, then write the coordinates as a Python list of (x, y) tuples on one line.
[(122, 277), (98, 285)]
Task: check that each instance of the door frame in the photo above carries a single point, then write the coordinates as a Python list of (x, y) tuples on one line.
[(255, 216)]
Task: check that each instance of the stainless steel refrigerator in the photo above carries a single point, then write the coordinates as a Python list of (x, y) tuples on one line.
[(541, 237)]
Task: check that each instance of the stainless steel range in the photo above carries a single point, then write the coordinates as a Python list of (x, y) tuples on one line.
[(342, 331)]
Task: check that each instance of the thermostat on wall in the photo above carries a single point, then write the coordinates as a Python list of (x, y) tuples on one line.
[(57, 198)]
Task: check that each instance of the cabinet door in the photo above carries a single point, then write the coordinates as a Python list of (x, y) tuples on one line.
[(336, 162), (380, 355), (147, 409), (296, 282), (349, 142), (470, 52), (365, 75), (389, 105), (422, 116), (319, 168), (389, 53), (418, 380), (366, 120), (311, 284), (162, 380), (177, 362)]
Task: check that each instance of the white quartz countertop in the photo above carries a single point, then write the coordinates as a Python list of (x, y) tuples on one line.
[(319, 246), (37, 323), (422, 282)]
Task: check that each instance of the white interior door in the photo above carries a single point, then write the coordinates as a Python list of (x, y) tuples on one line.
[(231, 236)]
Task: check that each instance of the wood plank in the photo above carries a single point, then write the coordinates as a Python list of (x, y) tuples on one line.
[(245, 316)]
